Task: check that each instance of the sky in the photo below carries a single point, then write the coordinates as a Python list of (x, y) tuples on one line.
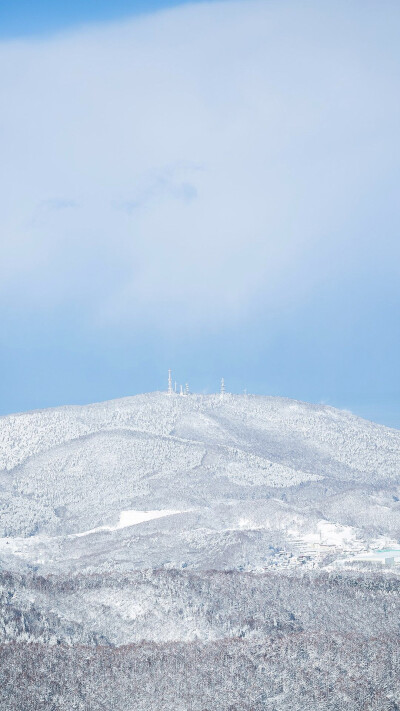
[(210, 187), (30, 18)]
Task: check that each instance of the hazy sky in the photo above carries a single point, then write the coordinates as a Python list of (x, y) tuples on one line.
[(213, 188)]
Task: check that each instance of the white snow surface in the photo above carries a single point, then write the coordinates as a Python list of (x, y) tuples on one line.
[(196, 481), (129, 518)]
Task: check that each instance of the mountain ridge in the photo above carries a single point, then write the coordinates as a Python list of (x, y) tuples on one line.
[(76, 468)]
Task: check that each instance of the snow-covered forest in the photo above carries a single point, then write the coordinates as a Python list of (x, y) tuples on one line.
[(199, 552)]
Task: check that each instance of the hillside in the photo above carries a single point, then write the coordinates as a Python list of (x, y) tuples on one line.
[(241, 482), (168, 552)]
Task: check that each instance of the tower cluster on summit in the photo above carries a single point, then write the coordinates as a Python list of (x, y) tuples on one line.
[(173, 390)]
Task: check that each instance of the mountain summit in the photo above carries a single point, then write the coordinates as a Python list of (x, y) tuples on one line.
[(199, 481)]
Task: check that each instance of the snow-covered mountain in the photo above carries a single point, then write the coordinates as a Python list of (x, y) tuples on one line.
[(233, 482), (170, 553)]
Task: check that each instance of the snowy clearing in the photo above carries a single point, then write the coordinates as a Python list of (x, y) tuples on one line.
[(129, 518)]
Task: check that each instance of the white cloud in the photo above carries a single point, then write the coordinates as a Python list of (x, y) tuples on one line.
[(197, 161)]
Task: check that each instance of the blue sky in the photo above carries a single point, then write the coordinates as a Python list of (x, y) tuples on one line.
[(211, 187), (24, 18)]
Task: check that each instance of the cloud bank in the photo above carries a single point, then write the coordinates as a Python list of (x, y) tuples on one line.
[(201, 164)]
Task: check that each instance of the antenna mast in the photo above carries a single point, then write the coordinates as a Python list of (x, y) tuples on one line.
[(222, 391), (170, 391)]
